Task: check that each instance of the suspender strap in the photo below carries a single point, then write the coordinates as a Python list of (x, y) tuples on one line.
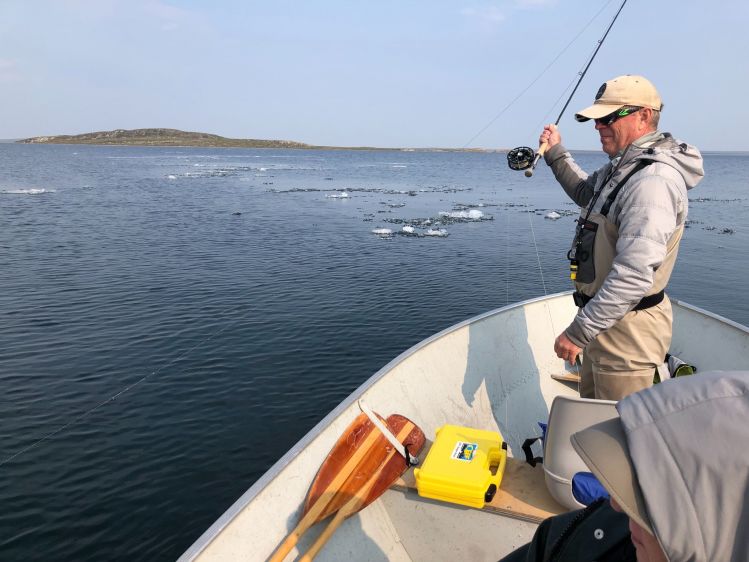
[(612, 196)]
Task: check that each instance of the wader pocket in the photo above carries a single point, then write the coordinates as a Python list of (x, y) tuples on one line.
[(583, 252)]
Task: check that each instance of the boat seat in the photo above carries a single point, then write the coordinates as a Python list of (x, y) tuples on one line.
[(561, 462)]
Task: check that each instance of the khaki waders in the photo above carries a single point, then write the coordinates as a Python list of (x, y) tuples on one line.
[(623, 359)]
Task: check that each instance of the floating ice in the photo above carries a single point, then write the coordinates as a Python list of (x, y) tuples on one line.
[(341, 195), (436, 232), (30, 191), (472, 214), (382, 231), (409, 229), (553, 216), (171, 177)]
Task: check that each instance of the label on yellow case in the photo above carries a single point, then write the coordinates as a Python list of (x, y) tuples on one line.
[(464, 451)]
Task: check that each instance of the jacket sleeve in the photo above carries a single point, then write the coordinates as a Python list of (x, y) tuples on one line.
[(573, 179), (647, 220)]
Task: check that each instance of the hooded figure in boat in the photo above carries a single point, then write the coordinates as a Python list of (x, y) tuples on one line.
[(674, 463)]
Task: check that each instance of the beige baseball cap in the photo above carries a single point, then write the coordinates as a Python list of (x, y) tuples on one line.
[(619, 92), (603, 448)]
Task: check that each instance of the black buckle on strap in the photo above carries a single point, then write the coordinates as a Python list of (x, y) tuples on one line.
[(580, 299)]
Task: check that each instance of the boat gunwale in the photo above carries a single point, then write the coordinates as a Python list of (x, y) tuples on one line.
[(207, 537), (712, 315)]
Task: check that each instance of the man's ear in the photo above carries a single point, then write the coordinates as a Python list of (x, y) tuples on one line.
[(645, 116)]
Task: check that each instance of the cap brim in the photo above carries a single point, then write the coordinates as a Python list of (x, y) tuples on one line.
[(603, 447), (596, 111)]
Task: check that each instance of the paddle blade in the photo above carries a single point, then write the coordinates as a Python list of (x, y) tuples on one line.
[(381, 478), (352, 461), (354, 457), (394, 465)]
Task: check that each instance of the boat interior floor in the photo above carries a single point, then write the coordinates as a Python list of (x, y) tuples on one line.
[(436, 530)]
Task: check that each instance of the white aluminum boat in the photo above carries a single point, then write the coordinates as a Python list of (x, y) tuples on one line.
[(492, 372)]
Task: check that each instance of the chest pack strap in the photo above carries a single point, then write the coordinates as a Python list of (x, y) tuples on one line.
[(614, 192)]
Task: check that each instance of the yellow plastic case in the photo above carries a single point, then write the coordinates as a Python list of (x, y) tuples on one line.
[(464, 466)]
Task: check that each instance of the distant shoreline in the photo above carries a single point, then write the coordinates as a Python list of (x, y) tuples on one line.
[(176, 138), (185, 139)]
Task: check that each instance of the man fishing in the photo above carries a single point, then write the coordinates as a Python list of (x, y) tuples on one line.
[(633, 211)]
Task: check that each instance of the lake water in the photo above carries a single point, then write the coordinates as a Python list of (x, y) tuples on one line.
[(172, 320)]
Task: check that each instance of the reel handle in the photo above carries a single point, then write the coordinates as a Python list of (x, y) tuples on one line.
[(539, 154)]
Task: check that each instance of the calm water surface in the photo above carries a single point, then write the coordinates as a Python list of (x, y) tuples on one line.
[(173, 320)]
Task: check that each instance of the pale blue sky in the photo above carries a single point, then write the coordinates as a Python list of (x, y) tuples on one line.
[(378, 73)]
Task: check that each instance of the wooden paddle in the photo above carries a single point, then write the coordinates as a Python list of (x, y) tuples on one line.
[(354, 458), (391, 468)]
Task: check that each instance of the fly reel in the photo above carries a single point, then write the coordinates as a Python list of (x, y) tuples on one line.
[(520, 158), (523, 158)]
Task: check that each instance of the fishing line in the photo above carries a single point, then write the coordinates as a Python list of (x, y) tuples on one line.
[(114, 397), (541, 270), (537, 78), (522, 157), (545, 118), (538, 255), (507, 259)]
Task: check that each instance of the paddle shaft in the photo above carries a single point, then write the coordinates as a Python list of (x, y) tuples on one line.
[(355, 503)]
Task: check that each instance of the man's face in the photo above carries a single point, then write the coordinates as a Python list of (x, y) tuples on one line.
[(646, 545), (622, 132)]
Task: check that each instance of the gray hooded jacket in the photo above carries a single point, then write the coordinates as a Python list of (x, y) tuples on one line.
[(688, 442), (637, 240)]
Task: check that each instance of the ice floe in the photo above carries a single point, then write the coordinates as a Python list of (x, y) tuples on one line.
[(471, 214), (382, 231), (339, 195), (410, 231), (29, 191), (553, 215)]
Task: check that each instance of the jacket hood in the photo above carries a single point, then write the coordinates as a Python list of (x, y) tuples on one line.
[(684, 158), (687, 439)]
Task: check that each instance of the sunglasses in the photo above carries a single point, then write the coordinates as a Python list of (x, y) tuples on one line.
[(612, 117)]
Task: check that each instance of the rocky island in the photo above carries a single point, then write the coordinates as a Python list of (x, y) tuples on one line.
[(175, 137), (161, 137)]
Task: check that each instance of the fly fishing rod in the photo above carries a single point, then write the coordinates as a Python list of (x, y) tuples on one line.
[(523, 157)]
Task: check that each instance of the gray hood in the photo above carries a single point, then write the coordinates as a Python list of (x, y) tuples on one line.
[(689, 444), (684, 158)]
